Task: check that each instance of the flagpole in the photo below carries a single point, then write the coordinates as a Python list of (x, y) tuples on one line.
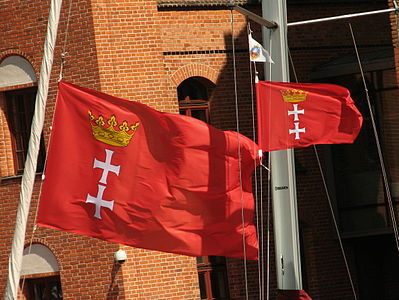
[(28, 177), (285, 214)]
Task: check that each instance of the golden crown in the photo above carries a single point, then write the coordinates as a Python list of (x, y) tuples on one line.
[(293, 95), (112, 133)]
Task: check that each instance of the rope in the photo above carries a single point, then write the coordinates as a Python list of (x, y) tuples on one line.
[(55, 10), (263, 166), (377, 140), (261, 246), (239, 152), (335, 224), (48, 143), (262, 269), (35, 219), (253, 72), (292, 64), (269, 192), (262, 289), (36, 210), (329, 200), (64, 53), (269, 197)]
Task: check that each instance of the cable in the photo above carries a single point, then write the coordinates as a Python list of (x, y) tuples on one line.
[(253, 72), (64, 53), (335, 224), (329, 200), (239, 153), (377, 140)]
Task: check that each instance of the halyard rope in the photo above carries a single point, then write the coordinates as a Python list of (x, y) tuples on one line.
[(239, 153)]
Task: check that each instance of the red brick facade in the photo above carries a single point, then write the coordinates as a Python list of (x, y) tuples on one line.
[(142, 51)]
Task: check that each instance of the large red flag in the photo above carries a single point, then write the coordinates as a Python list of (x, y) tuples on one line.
[(294, 115), (123, 172)]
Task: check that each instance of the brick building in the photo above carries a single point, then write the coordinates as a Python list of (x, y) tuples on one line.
[(177, 56)]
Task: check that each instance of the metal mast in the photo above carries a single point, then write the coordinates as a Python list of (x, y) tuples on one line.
[(283, 185)]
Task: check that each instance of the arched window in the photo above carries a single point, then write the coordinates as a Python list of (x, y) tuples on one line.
[(194, 94), (18, 85), (16, 71), (40, 274)]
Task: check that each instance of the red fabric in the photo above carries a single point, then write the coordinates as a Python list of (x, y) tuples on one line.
[(292, 295), (327, 116), (177, 189)]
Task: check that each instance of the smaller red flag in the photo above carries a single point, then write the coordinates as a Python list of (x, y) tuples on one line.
[(294, 115), (292, 295)]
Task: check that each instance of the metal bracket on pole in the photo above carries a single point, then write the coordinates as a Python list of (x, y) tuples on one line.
[(254, 17)]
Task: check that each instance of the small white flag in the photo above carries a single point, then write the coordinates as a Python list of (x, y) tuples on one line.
[(257, 52)]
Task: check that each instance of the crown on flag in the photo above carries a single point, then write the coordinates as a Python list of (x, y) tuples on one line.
[(293, 95), (109, 134)]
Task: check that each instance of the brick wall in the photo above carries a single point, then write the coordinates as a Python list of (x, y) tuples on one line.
[(133, 50), (109, 48)]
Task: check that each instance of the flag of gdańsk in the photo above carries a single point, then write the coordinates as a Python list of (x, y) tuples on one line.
[(121, 171), (294, 115)]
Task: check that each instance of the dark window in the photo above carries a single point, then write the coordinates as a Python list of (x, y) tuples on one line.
[(376, 260), (194, 94), (44, 288), (193, 98), (360, 192), (19, 109), (212, 277)]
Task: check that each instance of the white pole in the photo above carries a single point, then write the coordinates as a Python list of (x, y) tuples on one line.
[(28, 177), (348, 16), (285, 215)]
